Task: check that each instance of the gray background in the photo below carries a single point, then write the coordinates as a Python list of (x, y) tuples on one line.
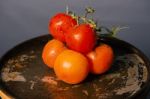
[(24, 19)]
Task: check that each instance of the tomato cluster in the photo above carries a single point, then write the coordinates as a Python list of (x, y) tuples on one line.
[(73, 52)]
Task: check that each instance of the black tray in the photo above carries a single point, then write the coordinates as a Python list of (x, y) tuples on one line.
[(30, 78)]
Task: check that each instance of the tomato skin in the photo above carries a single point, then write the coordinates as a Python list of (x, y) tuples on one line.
[(71, 67), (51, 50), (59, 24), (81, 38), (101, 59)]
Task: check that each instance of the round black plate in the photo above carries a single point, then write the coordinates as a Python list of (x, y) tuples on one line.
[(23, 74)]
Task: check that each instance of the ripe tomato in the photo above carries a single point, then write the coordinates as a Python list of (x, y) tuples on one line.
[(59, 24), (81, 38), (71, 67), (101, 59), (51, 50)]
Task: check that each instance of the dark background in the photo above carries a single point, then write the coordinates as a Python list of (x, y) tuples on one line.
[(21, 20)]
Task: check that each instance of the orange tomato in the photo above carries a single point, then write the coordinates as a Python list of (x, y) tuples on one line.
[(51, 50), (100, 59), (71, 67)]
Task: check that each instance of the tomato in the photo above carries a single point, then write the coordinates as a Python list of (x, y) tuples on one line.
[(101, 59), (59, 24), (81, 38), (71, 67), (51, 50)]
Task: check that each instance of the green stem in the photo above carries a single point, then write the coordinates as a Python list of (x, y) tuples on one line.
[(111, 32), (67, 9), (86, 14)]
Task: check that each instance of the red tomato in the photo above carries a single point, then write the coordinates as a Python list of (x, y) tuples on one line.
[(81, 38), (101, 59), (51, 50), (59, 24)]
